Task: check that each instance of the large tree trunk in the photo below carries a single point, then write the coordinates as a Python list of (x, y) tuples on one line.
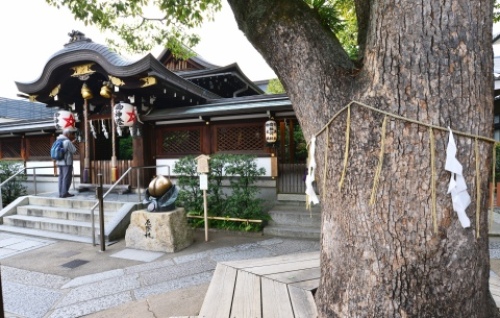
[(428, 61)]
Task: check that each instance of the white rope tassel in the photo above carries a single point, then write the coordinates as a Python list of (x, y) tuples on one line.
[(311, 169), (457, 187)]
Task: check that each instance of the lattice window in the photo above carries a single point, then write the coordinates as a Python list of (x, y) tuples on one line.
[(240, 138), (11, 148), (181, 141), (38, 147)]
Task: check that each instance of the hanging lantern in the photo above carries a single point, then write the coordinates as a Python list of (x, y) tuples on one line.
[(64, 119), (271, 131), (86, 92), (124, 114)]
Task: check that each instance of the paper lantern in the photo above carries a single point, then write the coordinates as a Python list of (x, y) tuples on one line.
[(124, 114), (64, 119), (271, 131)]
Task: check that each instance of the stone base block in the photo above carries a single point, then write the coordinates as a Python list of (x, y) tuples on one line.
[(159, 231)]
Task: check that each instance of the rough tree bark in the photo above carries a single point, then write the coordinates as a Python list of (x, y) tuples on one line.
[(430, 61)]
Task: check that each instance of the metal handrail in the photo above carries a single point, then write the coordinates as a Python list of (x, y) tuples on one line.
[(15, 175), (92, 218)]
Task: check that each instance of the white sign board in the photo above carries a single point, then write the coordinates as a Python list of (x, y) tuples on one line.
[(203, 182)]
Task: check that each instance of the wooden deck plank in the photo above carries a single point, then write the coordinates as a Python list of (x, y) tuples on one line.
[(275, 300), (247, 298), (282, 268), (297, 275), (219, 297), (276, 260), (303, 303), (307, 285)]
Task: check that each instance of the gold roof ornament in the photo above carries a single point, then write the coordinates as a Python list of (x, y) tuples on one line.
[(84, 69), (55, 91), (116, 81), (148, 81), (32, 98)]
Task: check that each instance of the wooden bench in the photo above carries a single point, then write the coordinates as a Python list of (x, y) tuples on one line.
[(272, 287)]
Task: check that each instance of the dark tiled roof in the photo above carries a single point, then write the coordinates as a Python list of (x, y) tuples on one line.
[(104, 51), (24, 110)]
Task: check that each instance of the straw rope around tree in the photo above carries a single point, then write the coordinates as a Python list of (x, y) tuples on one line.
[(431, 128)]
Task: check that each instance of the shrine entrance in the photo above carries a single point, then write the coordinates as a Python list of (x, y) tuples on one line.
[(292, 157)]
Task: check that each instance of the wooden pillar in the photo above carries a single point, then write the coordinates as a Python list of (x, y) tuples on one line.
[(497, 202), (86, 160), (282, 152), (114, 168), (291, 142), (144, 154)]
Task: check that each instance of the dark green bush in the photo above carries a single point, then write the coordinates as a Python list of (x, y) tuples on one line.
[(242, 202), (190, 196), (14, 188)]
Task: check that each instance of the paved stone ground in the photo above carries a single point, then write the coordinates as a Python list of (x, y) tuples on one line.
[(43, 278)]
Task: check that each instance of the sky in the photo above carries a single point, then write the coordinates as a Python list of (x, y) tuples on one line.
[(32, 31)]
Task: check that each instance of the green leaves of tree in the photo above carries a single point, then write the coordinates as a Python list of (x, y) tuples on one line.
[(140, 25)]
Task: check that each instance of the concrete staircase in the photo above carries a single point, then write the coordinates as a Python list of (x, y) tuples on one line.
[(291, 219), (65, 219)]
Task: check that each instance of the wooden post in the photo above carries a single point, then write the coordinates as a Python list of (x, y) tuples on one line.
[(203, 170), (205, 214)]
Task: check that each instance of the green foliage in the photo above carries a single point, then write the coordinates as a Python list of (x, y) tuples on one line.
[(243, 202), (300, 144), (125, 148), (242, 172), (275, 87), (140, 25), (217, 199), (496, 12), (190, 196), (15, 187)]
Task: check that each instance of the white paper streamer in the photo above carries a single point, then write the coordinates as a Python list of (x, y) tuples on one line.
[(457, 187), (92, 129), (311, 169), (104, 131)]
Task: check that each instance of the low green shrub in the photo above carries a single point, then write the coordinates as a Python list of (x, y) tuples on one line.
[(14, 188), (241, 201)]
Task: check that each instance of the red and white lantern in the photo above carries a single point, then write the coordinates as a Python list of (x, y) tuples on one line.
[(64, 119), (124, 114)]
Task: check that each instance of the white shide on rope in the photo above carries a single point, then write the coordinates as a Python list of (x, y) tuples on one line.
[(312, 197), (457, 187)]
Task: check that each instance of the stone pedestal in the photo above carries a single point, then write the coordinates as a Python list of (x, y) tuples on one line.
[(159, 231)]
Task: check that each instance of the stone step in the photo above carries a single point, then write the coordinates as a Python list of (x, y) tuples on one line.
[(62, 213), (46, 234), (297, 218), (73, 203), (120, 188), (293, 231), (55, 225)]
